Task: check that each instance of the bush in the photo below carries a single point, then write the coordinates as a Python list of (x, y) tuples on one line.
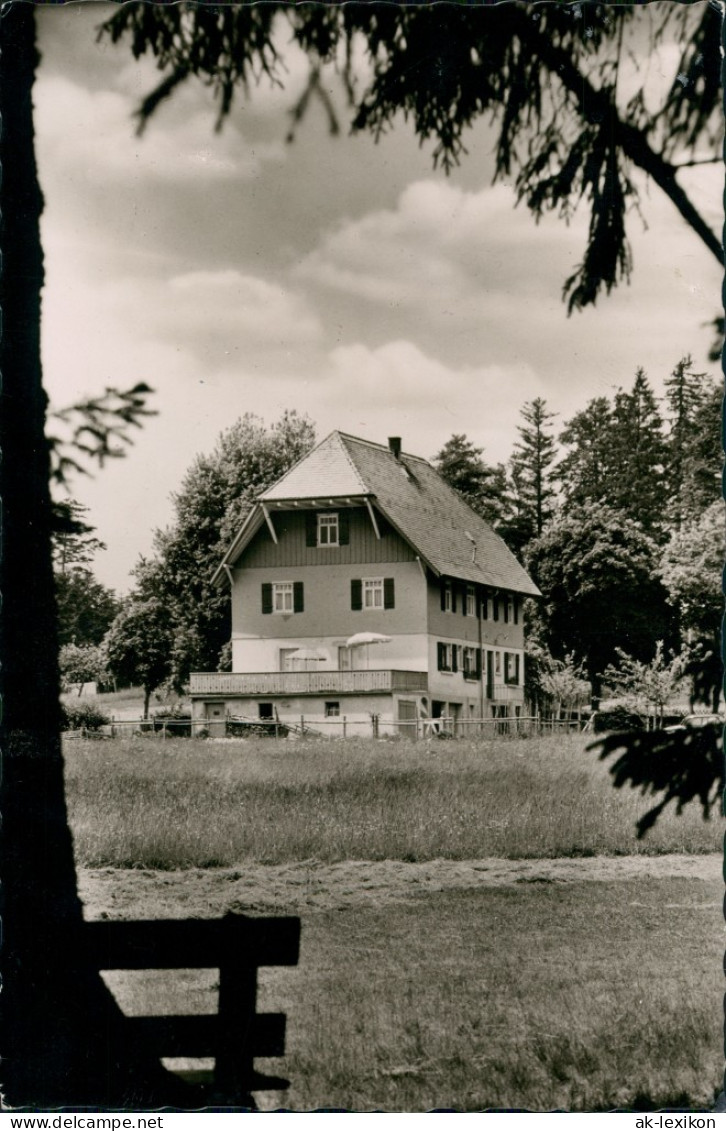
[(616, 718), (83, 716), (176, 722)]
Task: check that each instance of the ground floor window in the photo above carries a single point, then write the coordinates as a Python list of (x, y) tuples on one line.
[(332, 710), (264, 710)]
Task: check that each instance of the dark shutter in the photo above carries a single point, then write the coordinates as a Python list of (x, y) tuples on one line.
[(356, 594), (343, 528), (516, 668), (311, 529), (441, 657), (484, 602), (515, 606), (266, 597), (495, 607), (464, 591), (389, 593), (454, 657), (478, 663), (298, 600), (506, 668), (442, 583), (453, 596)]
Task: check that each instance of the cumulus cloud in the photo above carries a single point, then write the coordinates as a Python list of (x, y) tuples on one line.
[(89, 136)]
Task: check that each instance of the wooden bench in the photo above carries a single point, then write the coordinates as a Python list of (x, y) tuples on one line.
[(235, 945)]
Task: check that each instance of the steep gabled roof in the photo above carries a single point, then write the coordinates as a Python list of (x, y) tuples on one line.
[(446, 533)]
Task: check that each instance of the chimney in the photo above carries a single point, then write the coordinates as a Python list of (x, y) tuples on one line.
[(394, 443)]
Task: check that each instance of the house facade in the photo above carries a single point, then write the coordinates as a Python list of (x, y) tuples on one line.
[(363, 588)]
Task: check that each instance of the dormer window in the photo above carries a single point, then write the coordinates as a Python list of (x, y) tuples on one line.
[(328, 529)]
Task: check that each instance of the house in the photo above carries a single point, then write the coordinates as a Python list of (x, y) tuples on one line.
[(363, 587)]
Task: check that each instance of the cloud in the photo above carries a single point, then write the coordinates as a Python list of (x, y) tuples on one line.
[(89, 137)]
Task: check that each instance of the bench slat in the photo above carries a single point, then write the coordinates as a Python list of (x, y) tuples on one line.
[(193, 943), (197, 1036)]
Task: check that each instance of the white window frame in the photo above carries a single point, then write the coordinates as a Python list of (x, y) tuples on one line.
[(372, 587), (470, 601), (448, 597), (328, 523), (281, 591), (498, 663), (469, 661), (448, 658)]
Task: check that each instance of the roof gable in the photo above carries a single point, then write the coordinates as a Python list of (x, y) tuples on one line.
[(325, 471), (442, 529)]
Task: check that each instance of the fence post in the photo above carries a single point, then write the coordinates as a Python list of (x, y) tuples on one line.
[(113, 729), (302, 726), (345, 727)]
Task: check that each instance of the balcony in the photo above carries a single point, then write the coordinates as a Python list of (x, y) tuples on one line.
[(306, 683)]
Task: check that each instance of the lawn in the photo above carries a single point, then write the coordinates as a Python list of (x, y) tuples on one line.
[(193, 803), (480, 925)]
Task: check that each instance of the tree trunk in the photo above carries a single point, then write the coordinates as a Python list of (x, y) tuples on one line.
[(64, 1038)]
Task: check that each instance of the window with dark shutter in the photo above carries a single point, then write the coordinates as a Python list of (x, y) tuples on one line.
[(343, 528), (266, 597), (298, 601), (311, 529), (441, 657), (356, 594), (389, 593)]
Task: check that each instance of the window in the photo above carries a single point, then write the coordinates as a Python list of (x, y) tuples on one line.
[(332, 710), (448, 597), (511, 668), (372, 593), (495, 607), (497, 663), (471, 663), (282, 597), (510, 609), (484, 605), (449, 657), (328, 529), (470, 601)]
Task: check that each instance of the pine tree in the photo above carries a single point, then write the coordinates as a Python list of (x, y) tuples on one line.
[(482, 486), (585, 472), (531, 468), (693, 443), (638, 482)]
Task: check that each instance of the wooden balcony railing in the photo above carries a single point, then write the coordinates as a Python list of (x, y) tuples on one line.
[(306, 683)]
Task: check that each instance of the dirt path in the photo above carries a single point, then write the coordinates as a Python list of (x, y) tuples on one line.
[(294, 888)]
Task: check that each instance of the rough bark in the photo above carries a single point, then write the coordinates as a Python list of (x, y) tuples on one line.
[(63, 1036)]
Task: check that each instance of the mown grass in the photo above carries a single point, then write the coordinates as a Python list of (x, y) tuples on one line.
[(184, 803), (582, 996)]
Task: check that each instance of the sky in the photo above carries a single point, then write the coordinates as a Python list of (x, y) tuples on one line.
[(234, 272)]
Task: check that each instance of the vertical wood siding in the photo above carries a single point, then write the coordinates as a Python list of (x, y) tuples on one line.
[(292, 550)]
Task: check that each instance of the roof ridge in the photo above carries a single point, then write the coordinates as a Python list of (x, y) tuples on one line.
[(341, 436), (381, 447)]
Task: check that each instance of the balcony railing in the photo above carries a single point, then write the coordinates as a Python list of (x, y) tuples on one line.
[(306, 683)]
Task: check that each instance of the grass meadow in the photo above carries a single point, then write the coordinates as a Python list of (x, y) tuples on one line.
[(187, 803), (541, 991)]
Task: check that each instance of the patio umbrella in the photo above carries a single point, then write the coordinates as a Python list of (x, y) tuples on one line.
[(367, 638)]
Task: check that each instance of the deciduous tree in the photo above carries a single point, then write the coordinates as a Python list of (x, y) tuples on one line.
[(137, 648), (597, 571)]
